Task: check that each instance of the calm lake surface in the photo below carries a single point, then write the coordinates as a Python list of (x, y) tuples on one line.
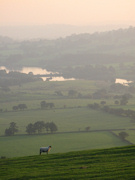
[(37, 71), (40, 71), (123, 81)]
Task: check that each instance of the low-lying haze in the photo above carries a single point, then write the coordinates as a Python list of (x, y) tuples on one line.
[(53, 19)]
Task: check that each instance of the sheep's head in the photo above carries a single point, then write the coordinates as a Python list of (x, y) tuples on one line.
[(49, 148)]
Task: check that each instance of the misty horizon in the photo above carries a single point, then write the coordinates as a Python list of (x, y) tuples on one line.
[(54, 31), (51, 19)]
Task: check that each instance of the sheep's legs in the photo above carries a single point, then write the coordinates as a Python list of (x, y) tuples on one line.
[(41, 152)]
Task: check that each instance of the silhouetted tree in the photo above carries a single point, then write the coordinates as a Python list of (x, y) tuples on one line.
[(15, 108), (22, 106), (12, 129), (30, 129), (47, 125), (124, 101), (43, 104), (87, 128), (53, 127), (50, 105), (39, 126), (123, 135)]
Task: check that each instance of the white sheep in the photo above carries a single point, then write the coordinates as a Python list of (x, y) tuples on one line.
[(45, 149)]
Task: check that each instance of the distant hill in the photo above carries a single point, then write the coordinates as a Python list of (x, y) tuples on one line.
[(114, 163), (53, 31), (62, 54)]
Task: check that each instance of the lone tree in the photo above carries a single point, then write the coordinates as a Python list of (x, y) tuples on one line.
[(12, 129), (87, 128), (123, 135)]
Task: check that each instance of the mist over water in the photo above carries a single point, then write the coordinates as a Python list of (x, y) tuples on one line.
[(40, 71)]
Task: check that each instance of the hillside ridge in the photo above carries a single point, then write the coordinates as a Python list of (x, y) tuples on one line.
[(109, 163)]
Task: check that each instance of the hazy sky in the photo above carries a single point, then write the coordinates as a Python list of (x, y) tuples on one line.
[(74, 12)]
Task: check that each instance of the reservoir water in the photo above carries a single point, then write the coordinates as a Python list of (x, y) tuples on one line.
[(123, 81), (40, 71), (37, 71)]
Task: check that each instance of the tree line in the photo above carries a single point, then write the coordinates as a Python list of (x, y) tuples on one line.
[(116, 111), (43, 105), (39, 126), (13, 78), (36, 128)]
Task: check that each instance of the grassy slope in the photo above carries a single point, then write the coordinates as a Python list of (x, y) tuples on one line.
[(115, 163)]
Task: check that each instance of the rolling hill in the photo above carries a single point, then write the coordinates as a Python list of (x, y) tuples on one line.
[(114, 163)]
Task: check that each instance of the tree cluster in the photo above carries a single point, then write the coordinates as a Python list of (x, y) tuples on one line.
[(36, 128), (90, 72), (15, 78), (39, 126), (19, 107), (45, 105)]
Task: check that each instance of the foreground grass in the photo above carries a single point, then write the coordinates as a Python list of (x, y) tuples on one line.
[(115, 163)]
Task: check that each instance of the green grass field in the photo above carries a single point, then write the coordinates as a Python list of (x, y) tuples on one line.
[(114, 163), (29, 145), (75, 117), (67, 120)]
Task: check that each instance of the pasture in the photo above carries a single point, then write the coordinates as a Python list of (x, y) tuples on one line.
[(67, 120), (70, 115), (114, 163), (27, 145)]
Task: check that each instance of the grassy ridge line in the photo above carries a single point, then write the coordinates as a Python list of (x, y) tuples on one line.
[(113, 163)]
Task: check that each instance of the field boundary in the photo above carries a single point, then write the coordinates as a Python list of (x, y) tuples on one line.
[(68, 132), (124, 140)]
